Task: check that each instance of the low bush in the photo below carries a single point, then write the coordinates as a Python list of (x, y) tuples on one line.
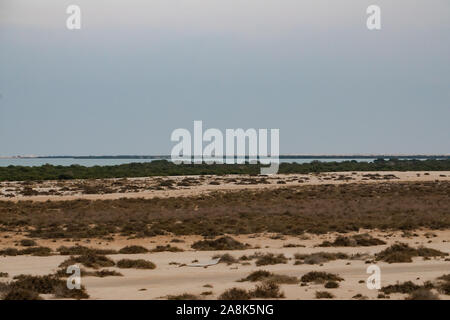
[(270, 259), (89, 260), (223, 243), (135, 264), (133, 250), (235, 294), (320, 277), (324, 295)]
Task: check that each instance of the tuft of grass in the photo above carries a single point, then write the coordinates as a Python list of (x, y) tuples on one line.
[(226, 258), (133, 250), (320, 277), (324, 295), (443, 284), (358, 240), (81, 250), (331, 285), (21, 294), (263, 275), (270, 259), (37, 251), (89, 260), (48, 284), (223, 243), (402, 252), (4, 275), (422, 294), (135, 264), (267, 290), (319, 257), (28, 243), (184, 296), (106, 273), (235, 294), (61, 291), (168, 248), (34, 251), (405, 287)]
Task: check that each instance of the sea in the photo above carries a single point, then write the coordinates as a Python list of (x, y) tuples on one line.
[(91, 162)]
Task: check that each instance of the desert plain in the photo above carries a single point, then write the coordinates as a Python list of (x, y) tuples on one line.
[(296, 236)]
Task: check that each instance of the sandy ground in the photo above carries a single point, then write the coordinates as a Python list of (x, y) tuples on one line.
[(170, 279), (152, 187)]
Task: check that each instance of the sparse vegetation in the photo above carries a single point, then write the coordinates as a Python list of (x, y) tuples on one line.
[(267, 290), (362, 240), (89, 260), (235, 294), (319, 257), (28, 243), (320, 277), (402, 252), (270, 259), (276, 211), (81, 250), (27, 287), (263, 275), (184, 296), (133, 250), (422, 294), (405, 287), (331, 285), (223, 243), (135, 264), (166, 248), (324, 295)]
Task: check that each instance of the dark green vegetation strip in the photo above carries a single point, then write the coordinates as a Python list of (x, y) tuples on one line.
[(316, 209), (166, 168)]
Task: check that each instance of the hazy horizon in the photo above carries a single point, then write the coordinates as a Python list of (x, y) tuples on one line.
[(138, 69)]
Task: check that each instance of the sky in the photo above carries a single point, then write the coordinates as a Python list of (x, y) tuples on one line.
[(139, 69)]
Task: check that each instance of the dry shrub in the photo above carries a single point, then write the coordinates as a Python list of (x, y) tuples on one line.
[(405, 287), (270, 259), (135, 264), (223, 243), (422, 294), (89, 260), (263, 275), (324, 295), (402, 252), (359, 240), (320, 277), (168, 248), (319, 257), (81, 250), (21, 294), (184, 296), (267, 290), (235, 294), (133, 250)]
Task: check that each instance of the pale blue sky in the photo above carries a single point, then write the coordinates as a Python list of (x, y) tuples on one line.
[(137, 70)]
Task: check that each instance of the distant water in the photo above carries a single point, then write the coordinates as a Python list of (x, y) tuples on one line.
[(112, 162)]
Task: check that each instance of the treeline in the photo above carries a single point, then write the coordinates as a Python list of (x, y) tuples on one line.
[(167, 168)]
